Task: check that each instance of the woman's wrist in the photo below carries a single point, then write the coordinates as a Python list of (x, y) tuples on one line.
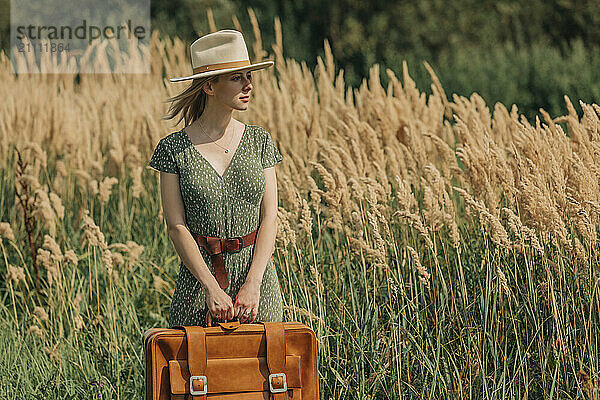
[(253, 279), (211, 285)]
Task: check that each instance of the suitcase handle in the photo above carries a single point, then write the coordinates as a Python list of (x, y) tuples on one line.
[(229, 325)]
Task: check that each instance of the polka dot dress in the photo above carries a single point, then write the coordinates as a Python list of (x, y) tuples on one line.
[(223, 206)]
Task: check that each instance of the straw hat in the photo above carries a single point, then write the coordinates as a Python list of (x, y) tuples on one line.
[(218, 53)]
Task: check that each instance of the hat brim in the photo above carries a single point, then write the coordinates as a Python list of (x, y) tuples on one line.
[(251, 67)]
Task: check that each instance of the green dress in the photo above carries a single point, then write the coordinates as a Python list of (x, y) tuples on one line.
[(222, 206)]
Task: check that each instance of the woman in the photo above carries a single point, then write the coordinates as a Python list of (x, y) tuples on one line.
[(219, 192)]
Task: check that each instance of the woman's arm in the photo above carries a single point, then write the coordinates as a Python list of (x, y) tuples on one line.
[(182, 239), (265, 239)]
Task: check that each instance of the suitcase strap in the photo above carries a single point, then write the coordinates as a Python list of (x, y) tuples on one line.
[(196, 348), (275, 336)]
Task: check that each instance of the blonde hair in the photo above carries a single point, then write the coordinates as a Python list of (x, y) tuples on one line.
[(191, 102)]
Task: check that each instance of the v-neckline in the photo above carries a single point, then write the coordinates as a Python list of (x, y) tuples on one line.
[(185, 134)]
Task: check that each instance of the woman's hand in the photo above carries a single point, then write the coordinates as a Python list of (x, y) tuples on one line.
[(219, 303), (246, 302)]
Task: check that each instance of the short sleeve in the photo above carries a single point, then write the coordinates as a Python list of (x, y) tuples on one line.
[(163, 159), (270, 155)]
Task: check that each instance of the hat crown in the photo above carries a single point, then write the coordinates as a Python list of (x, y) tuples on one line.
[(223, 46)]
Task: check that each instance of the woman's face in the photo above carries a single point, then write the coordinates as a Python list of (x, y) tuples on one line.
[(233, 89)]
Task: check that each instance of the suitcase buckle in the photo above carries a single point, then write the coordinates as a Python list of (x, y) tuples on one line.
[(197, 392), (280, 390)]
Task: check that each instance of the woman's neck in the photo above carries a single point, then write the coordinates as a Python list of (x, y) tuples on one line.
[(215, 120)]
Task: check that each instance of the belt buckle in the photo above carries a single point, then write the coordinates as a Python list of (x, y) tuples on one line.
[(241, 244)]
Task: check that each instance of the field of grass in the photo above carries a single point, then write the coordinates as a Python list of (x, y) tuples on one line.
[(439, 247)]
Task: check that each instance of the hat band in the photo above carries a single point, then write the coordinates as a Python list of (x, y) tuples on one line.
[(214, 67)]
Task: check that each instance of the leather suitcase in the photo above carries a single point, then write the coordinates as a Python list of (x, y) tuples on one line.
[(232, 361)]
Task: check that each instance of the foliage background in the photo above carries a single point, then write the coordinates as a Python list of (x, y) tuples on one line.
[(528, 53)]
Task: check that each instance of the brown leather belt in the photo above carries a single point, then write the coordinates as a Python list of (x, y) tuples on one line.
[(215, 246)]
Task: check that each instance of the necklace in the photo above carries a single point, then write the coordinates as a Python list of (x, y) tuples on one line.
[(226, 148)]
